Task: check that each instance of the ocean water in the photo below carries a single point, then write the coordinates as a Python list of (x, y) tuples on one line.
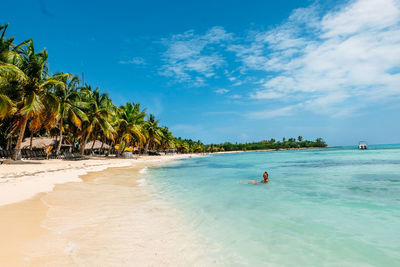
[(322, 207)]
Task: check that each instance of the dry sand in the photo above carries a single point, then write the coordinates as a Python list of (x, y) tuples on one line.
[(101, 219)]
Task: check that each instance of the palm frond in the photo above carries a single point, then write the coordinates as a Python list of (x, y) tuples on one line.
[(35, 124), (75, 119), (12, 71), (7, 107), (32, 106)]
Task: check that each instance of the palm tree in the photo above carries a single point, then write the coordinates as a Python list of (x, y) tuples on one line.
[(130, 124), (7, 106), (71, 104), (167, 140), (34, 94), (152, 131), (99, 112), (8, 54), (185, 147)]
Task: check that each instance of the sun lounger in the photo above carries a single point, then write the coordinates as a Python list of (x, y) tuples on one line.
[(5, 154), (73, 156)]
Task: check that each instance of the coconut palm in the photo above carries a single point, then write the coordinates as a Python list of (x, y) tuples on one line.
[(71, 104), (153, 132), (6, 44), (8, 54), (167, 140), (7, 106), (34, 94), (99, 112), (185, 147), (130, 124)]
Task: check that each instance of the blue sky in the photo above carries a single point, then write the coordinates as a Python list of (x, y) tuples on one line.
[(233, 70)]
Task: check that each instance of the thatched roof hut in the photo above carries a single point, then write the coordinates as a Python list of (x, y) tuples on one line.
[(97, 145), (42, 142)]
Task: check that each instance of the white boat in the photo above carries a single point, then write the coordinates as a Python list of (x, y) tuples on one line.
[(362, 145)]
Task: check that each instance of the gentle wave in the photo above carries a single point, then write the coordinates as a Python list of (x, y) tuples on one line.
[(144, 170)]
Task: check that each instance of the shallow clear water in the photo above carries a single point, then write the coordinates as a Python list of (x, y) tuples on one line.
[(326, 207)]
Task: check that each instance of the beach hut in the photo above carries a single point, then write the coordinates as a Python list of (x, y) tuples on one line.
[(43, 143), (97, 146)]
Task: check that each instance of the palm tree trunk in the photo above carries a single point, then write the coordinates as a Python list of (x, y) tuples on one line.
[(73, 139), (83, 144), (109, 149), (91, 149), (147, 147), (82, 148), (9, 141), (61, 136), (125, 145), (30, 144), (119, 149), (17, 150), (102, 144)]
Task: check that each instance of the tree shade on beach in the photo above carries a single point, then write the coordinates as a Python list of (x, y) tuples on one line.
[(34, 103)]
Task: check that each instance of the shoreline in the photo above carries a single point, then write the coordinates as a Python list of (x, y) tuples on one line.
[(19, 182), (31, 225), (270, 149)]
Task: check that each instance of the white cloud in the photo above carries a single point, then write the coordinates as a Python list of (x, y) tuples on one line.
[(238, 83), (222, 91), (332, 61), (271, 113), (135, 61), (266, 94), (235, 96), (190, 53), (361, 16), (221, 113)]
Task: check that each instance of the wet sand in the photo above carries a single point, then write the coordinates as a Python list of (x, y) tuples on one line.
[(106, 220), (19, 223)]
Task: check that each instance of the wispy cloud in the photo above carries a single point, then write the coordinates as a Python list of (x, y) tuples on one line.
[(266, 94), (272, 113), (222, 91), (191, 56), (235, 96), (221, 113), (331, 61), (135, 61), (334, 62)]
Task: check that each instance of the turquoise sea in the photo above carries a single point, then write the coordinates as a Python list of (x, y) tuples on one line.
[(322, 207)]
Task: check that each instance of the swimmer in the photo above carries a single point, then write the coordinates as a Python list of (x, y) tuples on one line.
[(264, 181)]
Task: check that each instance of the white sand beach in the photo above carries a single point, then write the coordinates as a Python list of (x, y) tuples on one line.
[(90, 213)]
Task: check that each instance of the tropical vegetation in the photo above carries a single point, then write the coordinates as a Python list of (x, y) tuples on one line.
[(291, 143)]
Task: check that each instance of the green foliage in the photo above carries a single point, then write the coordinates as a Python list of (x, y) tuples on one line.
[(264, 145)]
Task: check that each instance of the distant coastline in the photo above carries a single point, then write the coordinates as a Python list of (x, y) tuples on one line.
[(268, 145), (267, 150)]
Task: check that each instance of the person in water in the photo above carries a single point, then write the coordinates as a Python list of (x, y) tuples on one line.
[(264, 181)]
